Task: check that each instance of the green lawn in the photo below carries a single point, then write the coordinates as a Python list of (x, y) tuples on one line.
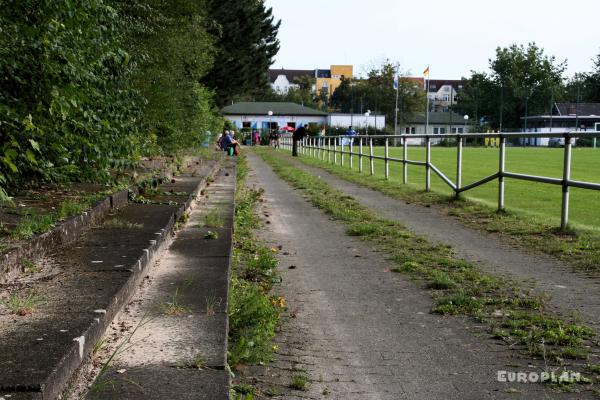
[(528, 197)]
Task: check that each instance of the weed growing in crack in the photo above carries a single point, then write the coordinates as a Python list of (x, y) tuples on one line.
[(173, 307), (22, 304), (213, 219), (211, 235), (300, 382)]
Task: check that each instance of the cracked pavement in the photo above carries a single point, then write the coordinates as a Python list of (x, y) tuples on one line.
[(359, 331)]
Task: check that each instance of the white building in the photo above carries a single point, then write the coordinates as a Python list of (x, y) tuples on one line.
[(255, 115), (357, 121)]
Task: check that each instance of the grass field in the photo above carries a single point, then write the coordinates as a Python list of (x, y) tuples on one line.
[(532, 198)]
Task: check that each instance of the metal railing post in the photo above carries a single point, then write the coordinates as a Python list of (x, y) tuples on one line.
[(329, 150), (459, 155), (387, 160), (351, 150), (371, 156), (501, 168), (342, 152), (360, 154), (335, 150), (404, 158), (427, 164), (564, 214)]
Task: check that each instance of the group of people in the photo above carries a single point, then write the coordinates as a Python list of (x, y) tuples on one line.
[(228, 143)]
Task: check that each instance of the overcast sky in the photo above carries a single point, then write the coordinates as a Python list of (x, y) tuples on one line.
[(453, 37)]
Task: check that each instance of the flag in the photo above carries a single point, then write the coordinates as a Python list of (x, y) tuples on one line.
[(426, 72), (396, 82)]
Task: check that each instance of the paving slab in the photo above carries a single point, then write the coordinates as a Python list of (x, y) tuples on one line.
[(360, 331), (80, 289), (179, 348), (570, 292), (163, 382)]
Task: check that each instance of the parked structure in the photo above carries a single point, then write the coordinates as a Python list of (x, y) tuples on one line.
[(439, 123), (564, 117)]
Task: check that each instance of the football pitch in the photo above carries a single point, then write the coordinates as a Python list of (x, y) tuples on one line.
[(538, 199)]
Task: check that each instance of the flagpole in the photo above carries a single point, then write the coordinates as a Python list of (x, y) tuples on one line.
[(396, 110), (427, 95)]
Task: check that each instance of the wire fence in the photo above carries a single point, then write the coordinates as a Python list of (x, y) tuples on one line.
[(333, 149)]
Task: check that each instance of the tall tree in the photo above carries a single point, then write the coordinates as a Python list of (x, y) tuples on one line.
[(173, 51), (376, 93), (523, 82), (245, 34)]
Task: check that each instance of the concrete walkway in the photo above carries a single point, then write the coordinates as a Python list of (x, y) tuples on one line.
[(571, 292), (361, 332), (176, 347)]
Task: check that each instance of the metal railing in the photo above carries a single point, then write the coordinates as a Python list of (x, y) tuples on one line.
[(328, 149)]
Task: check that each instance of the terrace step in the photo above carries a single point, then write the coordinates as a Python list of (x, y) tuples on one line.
[(181, 355), (81, 287)]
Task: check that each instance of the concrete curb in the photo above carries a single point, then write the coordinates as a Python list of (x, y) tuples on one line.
[(83, 345), (65, 232)]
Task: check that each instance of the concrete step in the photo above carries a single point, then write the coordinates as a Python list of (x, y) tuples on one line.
[(180, 355), (81, 287)]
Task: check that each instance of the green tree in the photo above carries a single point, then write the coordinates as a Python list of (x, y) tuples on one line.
[(173, 51), (245, 34), (376, 93), (523, 82), (66, 110)]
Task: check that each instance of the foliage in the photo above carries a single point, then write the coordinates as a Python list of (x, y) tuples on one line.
[(245, 34), (303, 94), (65, 109), (253, 314), (173, 52), (524, 80), (377, 93), (585, 86)]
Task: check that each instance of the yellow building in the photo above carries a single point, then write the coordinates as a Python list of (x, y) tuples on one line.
[(330, 79)]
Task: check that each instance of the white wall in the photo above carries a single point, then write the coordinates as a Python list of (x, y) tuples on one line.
[(357, 121), (238, 120), (282, 85)]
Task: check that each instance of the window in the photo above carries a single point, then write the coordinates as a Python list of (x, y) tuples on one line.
[(459, 130), (442, 131), (413, 130), (407, 130), (436, 131)]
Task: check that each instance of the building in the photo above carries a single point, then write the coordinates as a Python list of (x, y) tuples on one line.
[(439, 123), (325, 80), (329, 80), (255, 115), (282, 80), (442, 93), (564, 117), (357, 121)]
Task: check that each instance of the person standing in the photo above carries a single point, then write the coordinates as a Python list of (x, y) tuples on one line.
[(298, 135)]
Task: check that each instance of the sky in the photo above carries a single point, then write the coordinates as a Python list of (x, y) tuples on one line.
[(452, 37)]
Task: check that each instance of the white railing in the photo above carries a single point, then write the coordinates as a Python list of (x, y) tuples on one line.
[(328, 149)]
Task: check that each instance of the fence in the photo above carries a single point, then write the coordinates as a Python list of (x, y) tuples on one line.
[(330, 147)]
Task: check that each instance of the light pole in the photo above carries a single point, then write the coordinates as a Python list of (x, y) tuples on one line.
[(466, 118), (270, 113), (367, 114)]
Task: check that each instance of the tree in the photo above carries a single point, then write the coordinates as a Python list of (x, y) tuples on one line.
[(245, 34), (173, 51), (523, 82), (376, 92), (585, 86)]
